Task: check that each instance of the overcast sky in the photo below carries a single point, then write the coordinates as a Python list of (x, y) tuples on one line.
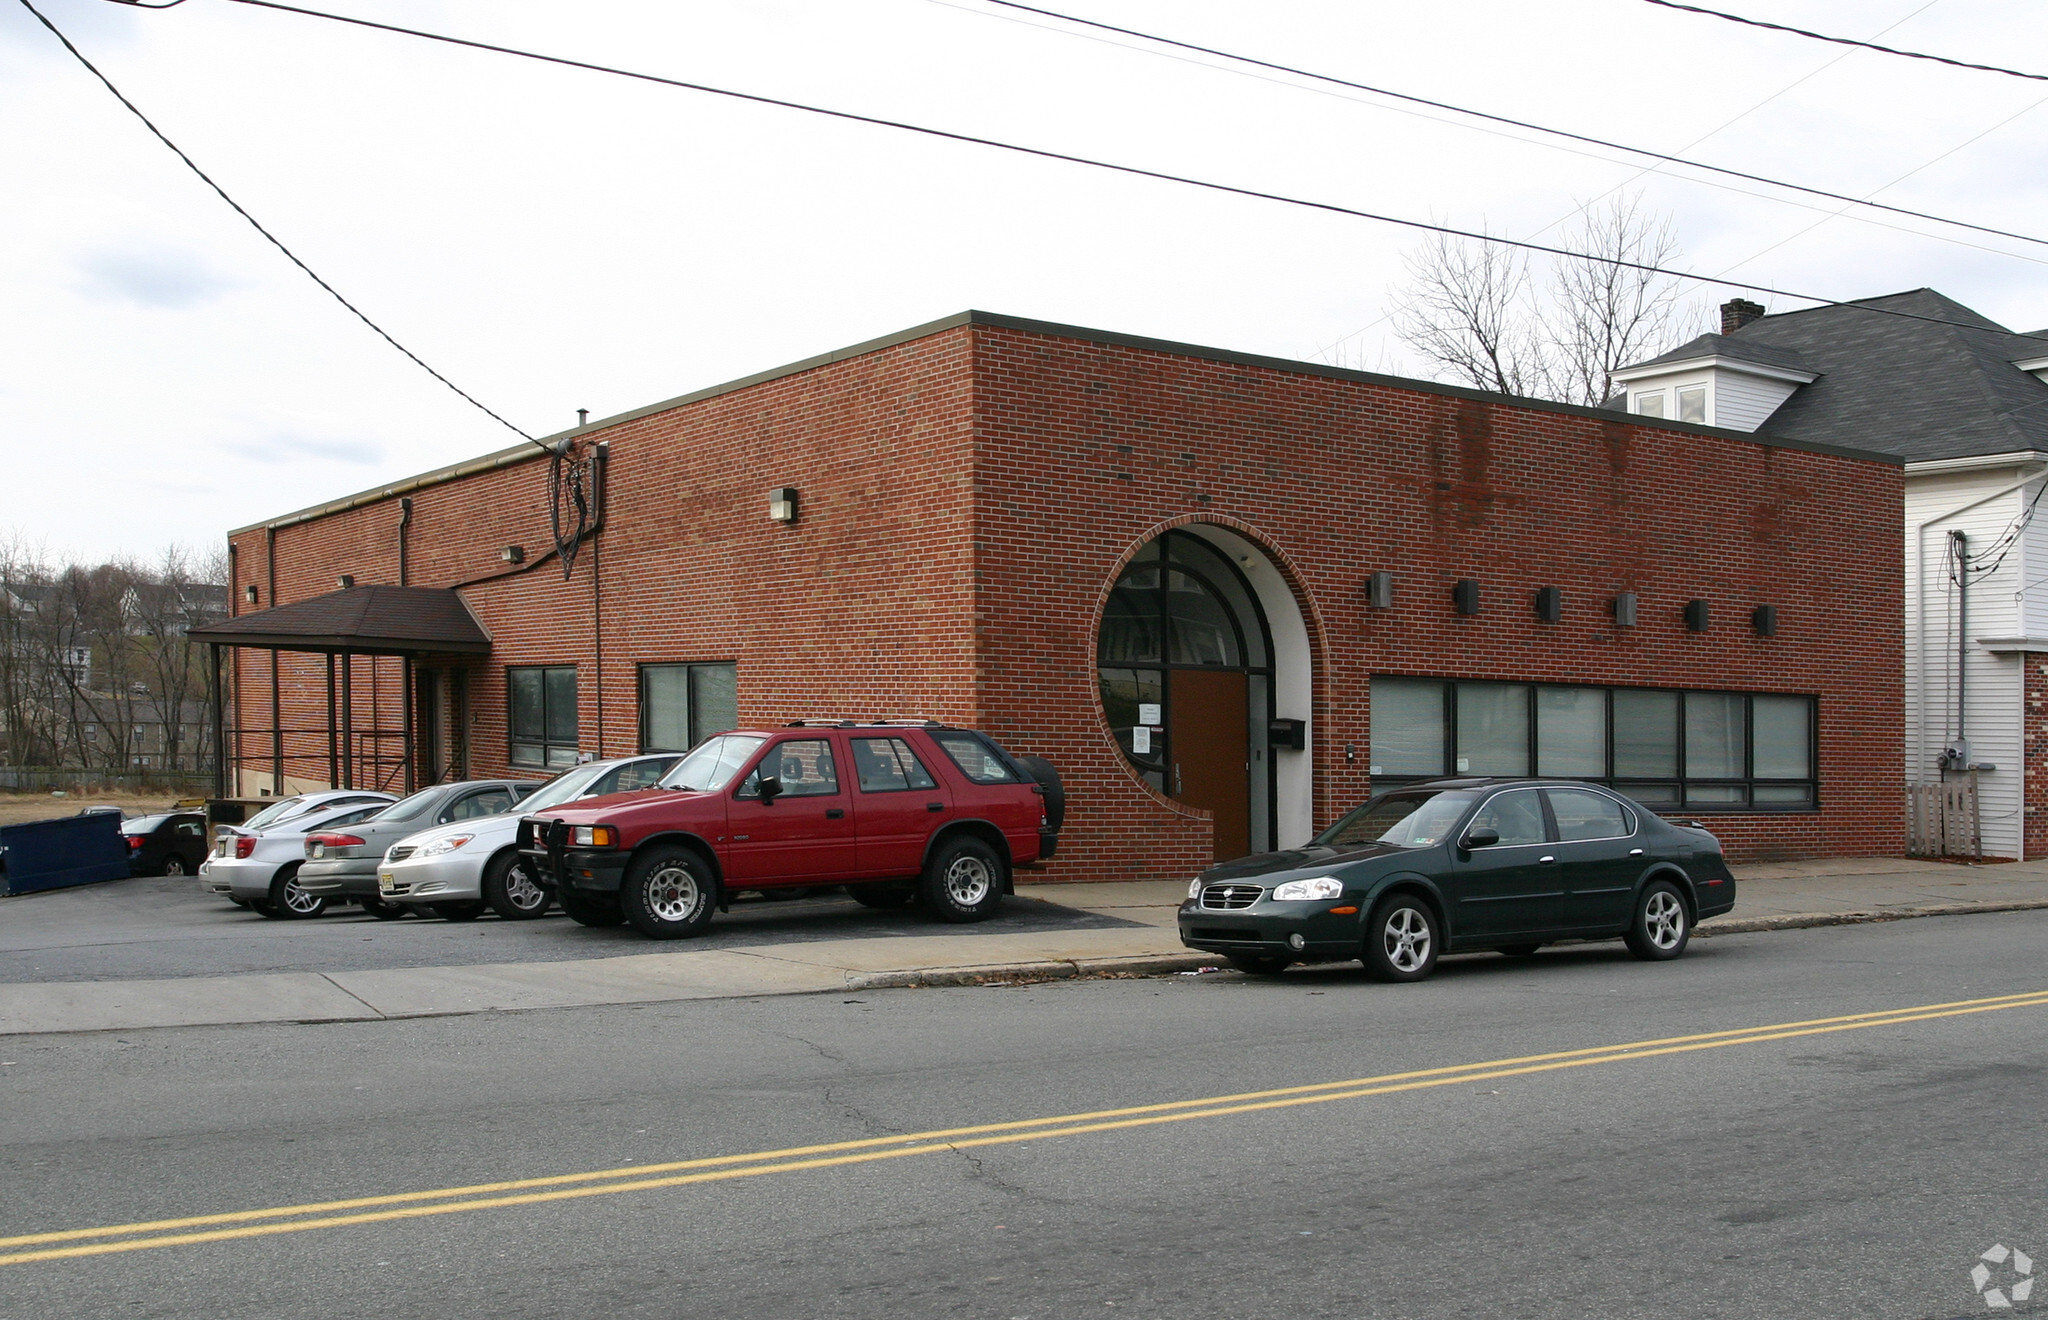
[(553, 239)]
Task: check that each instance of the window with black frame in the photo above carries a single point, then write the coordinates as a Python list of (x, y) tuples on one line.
[(682, 705), (541, 714), (1668, 749)]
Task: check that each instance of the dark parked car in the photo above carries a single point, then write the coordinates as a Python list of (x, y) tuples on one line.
[(173, 843), (1461, 864)]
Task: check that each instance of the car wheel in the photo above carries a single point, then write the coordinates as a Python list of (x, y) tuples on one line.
[(468, 910), (174, 865), (509, 888), (669, 894), (1518, 950), (1259, 964), (589, 909), (1662, 926), (288, 901), (963, 881), (1401, 941), (383, 911), (883, 895)]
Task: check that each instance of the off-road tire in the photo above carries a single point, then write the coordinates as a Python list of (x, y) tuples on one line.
[(669, 893), (510, 890), (963, 880), (1662, 924), (1402, 939), (589, 909)]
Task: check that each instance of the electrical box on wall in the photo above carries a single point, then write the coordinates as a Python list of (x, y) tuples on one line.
[(1465, 596), (1288, 735)]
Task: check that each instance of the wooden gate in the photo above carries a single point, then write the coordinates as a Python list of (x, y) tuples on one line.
[(1941, 819)]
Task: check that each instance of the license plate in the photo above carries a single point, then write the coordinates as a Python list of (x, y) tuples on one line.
[(386, 882)]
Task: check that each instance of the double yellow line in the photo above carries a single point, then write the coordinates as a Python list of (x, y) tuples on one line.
[(652, 1177)]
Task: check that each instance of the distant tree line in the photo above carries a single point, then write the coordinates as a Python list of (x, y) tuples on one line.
[(96, 669)]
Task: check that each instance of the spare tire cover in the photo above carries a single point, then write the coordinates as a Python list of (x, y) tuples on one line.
[(1055, 795)]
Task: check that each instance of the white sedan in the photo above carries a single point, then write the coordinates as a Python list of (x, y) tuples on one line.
[(256, 864), (457, 870)]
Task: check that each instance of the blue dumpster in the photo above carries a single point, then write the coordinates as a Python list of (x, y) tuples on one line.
[(54, 854)]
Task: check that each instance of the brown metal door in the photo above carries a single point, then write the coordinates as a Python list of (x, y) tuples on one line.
[(1209, 741)]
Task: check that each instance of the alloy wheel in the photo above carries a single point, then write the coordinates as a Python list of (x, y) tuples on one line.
[(520, 889), (299, 901), (969, 881), (673, 893), (1406, 937), (174, 866), (1664, 919)]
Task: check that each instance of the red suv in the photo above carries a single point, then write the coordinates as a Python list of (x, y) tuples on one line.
[(898, 811)]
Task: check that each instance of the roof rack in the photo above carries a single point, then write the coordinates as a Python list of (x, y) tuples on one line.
[(912, 722)]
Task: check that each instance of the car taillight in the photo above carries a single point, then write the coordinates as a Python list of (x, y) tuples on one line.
[(336, 840), (134, 842), (245, 845)]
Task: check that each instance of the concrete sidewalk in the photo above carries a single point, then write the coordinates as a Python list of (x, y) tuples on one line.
[(1780, 896)]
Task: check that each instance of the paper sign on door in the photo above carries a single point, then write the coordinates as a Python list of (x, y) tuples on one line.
[(1141, 740)]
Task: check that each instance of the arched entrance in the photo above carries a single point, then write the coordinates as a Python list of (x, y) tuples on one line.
[(1187, 665)]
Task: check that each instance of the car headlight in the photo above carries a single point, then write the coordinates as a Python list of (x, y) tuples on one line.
[(1298, 891), (1194, 889), (593, 836), (447, 845)]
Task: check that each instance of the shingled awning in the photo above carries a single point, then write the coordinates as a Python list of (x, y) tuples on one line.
[(371, 620)]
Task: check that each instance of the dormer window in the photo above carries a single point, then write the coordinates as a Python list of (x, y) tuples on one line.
[(1692, 404), (1649, 403)]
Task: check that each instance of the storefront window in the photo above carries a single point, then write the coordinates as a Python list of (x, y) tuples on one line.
[(542, 717), (682, 705), (1711, 750)]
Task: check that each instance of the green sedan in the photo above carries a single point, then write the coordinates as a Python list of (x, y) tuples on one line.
[(1462, 864)]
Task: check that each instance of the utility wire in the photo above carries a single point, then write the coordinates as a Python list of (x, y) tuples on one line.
[(1851, 41), (1044, 153), (1504, 119), (275, 241)]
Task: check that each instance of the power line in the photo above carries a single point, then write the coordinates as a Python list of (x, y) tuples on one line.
[(1044, 153), (1851, 41), (274, 240), (1504, 119)]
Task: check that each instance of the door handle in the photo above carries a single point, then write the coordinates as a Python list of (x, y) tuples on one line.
[(834, 813), (1545, 861), (1635, 852), (934, 806)]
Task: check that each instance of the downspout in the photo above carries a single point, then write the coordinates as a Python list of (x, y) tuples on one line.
[(600, 461), (1961, 541), (276, 709), (220, 749), (404, 524)]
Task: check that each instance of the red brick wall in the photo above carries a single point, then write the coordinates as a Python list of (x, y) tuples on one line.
[(2034, 754), (969, 496)]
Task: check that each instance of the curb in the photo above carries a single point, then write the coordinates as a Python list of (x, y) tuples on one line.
[(1161, 964)]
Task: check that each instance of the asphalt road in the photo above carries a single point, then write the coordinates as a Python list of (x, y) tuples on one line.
[(156, 926), (1841, 1169)]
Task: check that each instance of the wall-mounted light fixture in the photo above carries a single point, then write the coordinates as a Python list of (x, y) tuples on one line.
[(345, 581), (1549, 604), (1625, 609), (1697, 616), (782, 504), (1465, 595), (1379, 591), (1764, 618), (513, 554), (250, 594)]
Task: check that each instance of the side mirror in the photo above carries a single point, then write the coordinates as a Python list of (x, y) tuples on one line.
[(1481, 838), (770, 788)]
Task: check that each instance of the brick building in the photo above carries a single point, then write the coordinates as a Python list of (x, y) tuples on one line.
[(1161, 566)]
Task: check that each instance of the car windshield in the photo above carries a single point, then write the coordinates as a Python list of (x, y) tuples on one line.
[(408, 807), (1414, 819), (142, 824), (564, 787), (713, 764), (273, 813)]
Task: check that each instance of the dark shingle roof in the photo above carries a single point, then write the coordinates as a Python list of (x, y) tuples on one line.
[(377, 619), (1944, 387), (1728, 346)]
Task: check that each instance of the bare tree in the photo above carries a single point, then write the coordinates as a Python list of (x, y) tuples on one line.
[(1480, 315), (1466, 310)]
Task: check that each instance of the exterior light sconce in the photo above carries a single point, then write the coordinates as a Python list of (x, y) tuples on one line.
[(1549, 604), (345, 581), (1625, 610), (250, 594), (1379, 591), (782, 504), (513, 554), (1287, 735), (1764, 618), (1465, 595), (1696, 616)]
